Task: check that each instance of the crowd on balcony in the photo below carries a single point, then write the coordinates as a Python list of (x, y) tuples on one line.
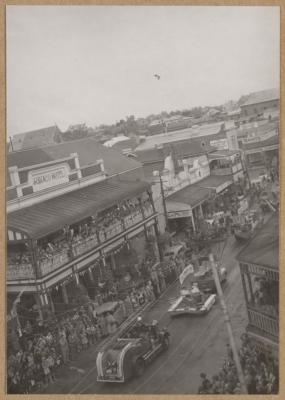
[(79, 238), (260, 372)]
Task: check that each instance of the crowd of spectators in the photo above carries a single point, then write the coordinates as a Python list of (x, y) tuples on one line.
[(37, 351), (260, 372), (77, 239)]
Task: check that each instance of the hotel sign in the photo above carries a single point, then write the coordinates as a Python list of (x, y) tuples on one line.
[(46, 178)]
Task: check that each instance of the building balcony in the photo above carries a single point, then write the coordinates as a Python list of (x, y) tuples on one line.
[(50, 261), (266, 324), (19, 271)]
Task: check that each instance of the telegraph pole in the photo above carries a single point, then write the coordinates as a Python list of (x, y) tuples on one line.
[(228, 324), (163, 201)]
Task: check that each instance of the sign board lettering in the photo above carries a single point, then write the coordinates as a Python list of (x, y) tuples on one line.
[(46, 178)]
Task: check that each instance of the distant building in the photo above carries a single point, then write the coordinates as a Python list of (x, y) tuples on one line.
[(259, 102), (36, 138)]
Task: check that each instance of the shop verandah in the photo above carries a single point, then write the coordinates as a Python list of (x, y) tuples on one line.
[(70, 241), (190, 207)]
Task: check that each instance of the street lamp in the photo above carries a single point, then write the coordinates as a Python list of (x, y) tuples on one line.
[(157, 174)]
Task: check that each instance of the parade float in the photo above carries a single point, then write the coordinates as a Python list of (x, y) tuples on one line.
[(246, 225), (128, 354), (192, 300)]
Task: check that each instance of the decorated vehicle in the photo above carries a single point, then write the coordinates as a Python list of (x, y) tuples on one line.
[(202, 275), (128, 355), (247, 225), (192, 300)]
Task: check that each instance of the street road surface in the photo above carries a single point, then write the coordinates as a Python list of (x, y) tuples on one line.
[(197, 344)]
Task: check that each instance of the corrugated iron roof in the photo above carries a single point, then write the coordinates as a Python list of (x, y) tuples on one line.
[(262, 96), (271, 141), (263, 249), (214, 181), (192, 195), (49, 216), (88, 150)]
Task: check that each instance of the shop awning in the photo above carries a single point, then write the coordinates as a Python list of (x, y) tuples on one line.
[(191, 195), (178, 210), (263, 248), (215, 182), (49, 216)]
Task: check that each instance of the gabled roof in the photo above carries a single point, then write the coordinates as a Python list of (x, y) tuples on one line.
[(88, 150), (262, 96), (263, 249), (52, 215), (36, 138)]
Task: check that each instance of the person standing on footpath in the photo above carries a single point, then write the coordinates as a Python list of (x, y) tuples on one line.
[(64, 348)]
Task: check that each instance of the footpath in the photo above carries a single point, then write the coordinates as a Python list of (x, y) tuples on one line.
[(70, 376)]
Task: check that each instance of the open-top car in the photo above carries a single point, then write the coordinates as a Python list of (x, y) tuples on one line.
[(128, 355)]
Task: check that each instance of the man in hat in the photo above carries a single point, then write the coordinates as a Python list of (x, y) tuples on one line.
[(206, 384)]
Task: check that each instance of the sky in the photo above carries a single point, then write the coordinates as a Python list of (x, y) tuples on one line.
[(96, 64)]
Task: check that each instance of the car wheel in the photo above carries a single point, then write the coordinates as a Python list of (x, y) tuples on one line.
[(139, 367), (165, 343)]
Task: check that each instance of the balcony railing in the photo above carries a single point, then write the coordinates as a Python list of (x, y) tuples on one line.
[(53, 262), (264, 323), (20, 271), (133, 218), (50, 262), (110, 231), (148, 211)]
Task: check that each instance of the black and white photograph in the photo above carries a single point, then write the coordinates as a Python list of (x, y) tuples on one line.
[(142, 199)]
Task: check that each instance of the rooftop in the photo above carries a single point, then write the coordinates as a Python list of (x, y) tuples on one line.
[(183, 134), (271, 141), (223, 153), (183, 148), (88, 150), (36, 138), (51, 215), (192, 195), (262, 96), (263, 249)]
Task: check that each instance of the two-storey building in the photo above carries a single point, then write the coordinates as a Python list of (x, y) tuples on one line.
[(72, 210), (259, 267)]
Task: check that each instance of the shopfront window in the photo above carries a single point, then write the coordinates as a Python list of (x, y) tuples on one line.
[(262, 293)]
